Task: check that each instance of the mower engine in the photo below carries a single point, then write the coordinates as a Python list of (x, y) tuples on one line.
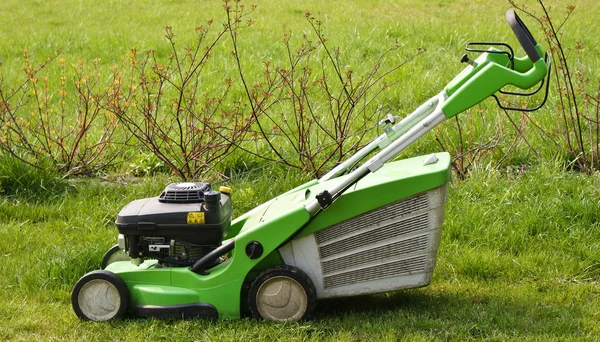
[(177, 228)]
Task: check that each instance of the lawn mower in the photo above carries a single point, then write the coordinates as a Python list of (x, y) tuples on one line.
[(370, 225)]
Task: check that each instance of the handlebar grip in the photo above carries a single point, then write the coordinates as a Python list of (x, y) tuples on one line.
[(523, 35)]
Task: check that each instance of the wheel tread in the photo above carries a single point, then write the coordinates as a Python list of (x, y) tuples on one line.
[(111, 277)]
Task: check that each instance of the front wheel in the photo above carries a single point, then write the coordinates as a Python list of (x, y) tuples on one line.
[(283, 294), (100, 296)]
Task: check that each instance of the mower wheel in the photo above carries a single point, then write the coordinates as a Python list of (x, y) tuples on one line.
[(112, 255), (283, 294), (100, 296)]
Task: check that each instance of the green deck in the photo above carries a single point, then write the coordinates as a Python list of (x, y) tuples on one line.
[(272, 224)]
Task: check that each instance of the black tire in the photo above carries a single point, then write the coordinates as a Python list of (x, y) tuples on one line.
[(283, 294), (112, 255), (100, 296)]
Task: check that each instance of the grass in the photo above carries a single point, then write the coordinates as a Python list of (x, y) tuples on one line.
[(520, 251), (518, 260)]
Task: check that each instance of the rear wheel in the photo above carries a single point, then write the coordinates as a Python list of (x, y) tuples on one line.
[(283, 293), (114, 254), (100, 296)]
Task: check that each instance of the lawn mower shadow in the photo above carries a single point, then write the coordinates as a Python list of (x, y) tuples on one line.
[(479, 314), (409, 302)]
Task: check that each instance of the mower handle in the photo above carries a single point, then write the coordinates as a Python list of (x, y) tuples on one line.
[(523, 35), (489, 73)]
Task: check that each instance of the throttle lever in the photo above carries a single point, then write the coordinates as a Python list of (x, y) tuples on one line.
[(548, 61)]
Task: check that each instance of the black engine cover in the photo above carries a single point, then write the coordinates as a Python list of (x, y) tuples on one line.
[(204, 222)]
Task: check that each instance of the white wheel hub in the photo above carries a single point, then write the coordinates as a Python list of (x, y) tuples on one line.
[(99, 300), (281, 299)]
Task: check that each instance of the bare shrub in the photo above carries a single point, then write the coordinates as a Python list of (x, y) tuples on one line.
[(577, 133), (60, 126), (312, 103), (165, 102)]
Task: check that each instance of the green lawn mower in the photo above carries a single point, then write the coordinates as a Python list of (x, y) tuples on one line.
[(370, 225)]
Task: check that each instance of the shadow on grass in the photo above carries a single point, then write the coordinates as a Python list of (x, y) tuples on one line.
[(480, 312)]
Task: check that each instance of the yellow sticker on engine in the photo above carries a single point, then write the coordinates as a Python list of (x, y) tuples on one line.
[(195, 217)]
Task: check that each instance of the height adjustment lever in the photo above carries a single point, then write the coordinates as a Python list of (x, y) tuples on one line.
[(465, 59)]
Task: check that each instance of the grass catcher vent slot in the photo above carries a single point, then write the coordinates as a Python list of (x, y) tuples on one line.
[(392, 269)]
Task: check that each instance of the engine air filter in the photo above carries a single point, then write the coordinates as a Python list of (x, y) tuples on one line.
[(184, 192)]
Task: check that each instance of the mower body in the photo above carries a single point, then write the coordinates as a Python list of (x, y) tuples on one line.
[(369, 225), (380, 235)]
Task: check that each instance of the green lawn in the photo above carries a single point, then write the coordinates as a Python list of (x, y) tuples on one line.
[(520, 251), (518, 259)]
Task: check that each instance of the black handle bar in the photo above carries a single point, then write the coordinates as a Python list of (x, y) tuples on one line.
[(523, 35)]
